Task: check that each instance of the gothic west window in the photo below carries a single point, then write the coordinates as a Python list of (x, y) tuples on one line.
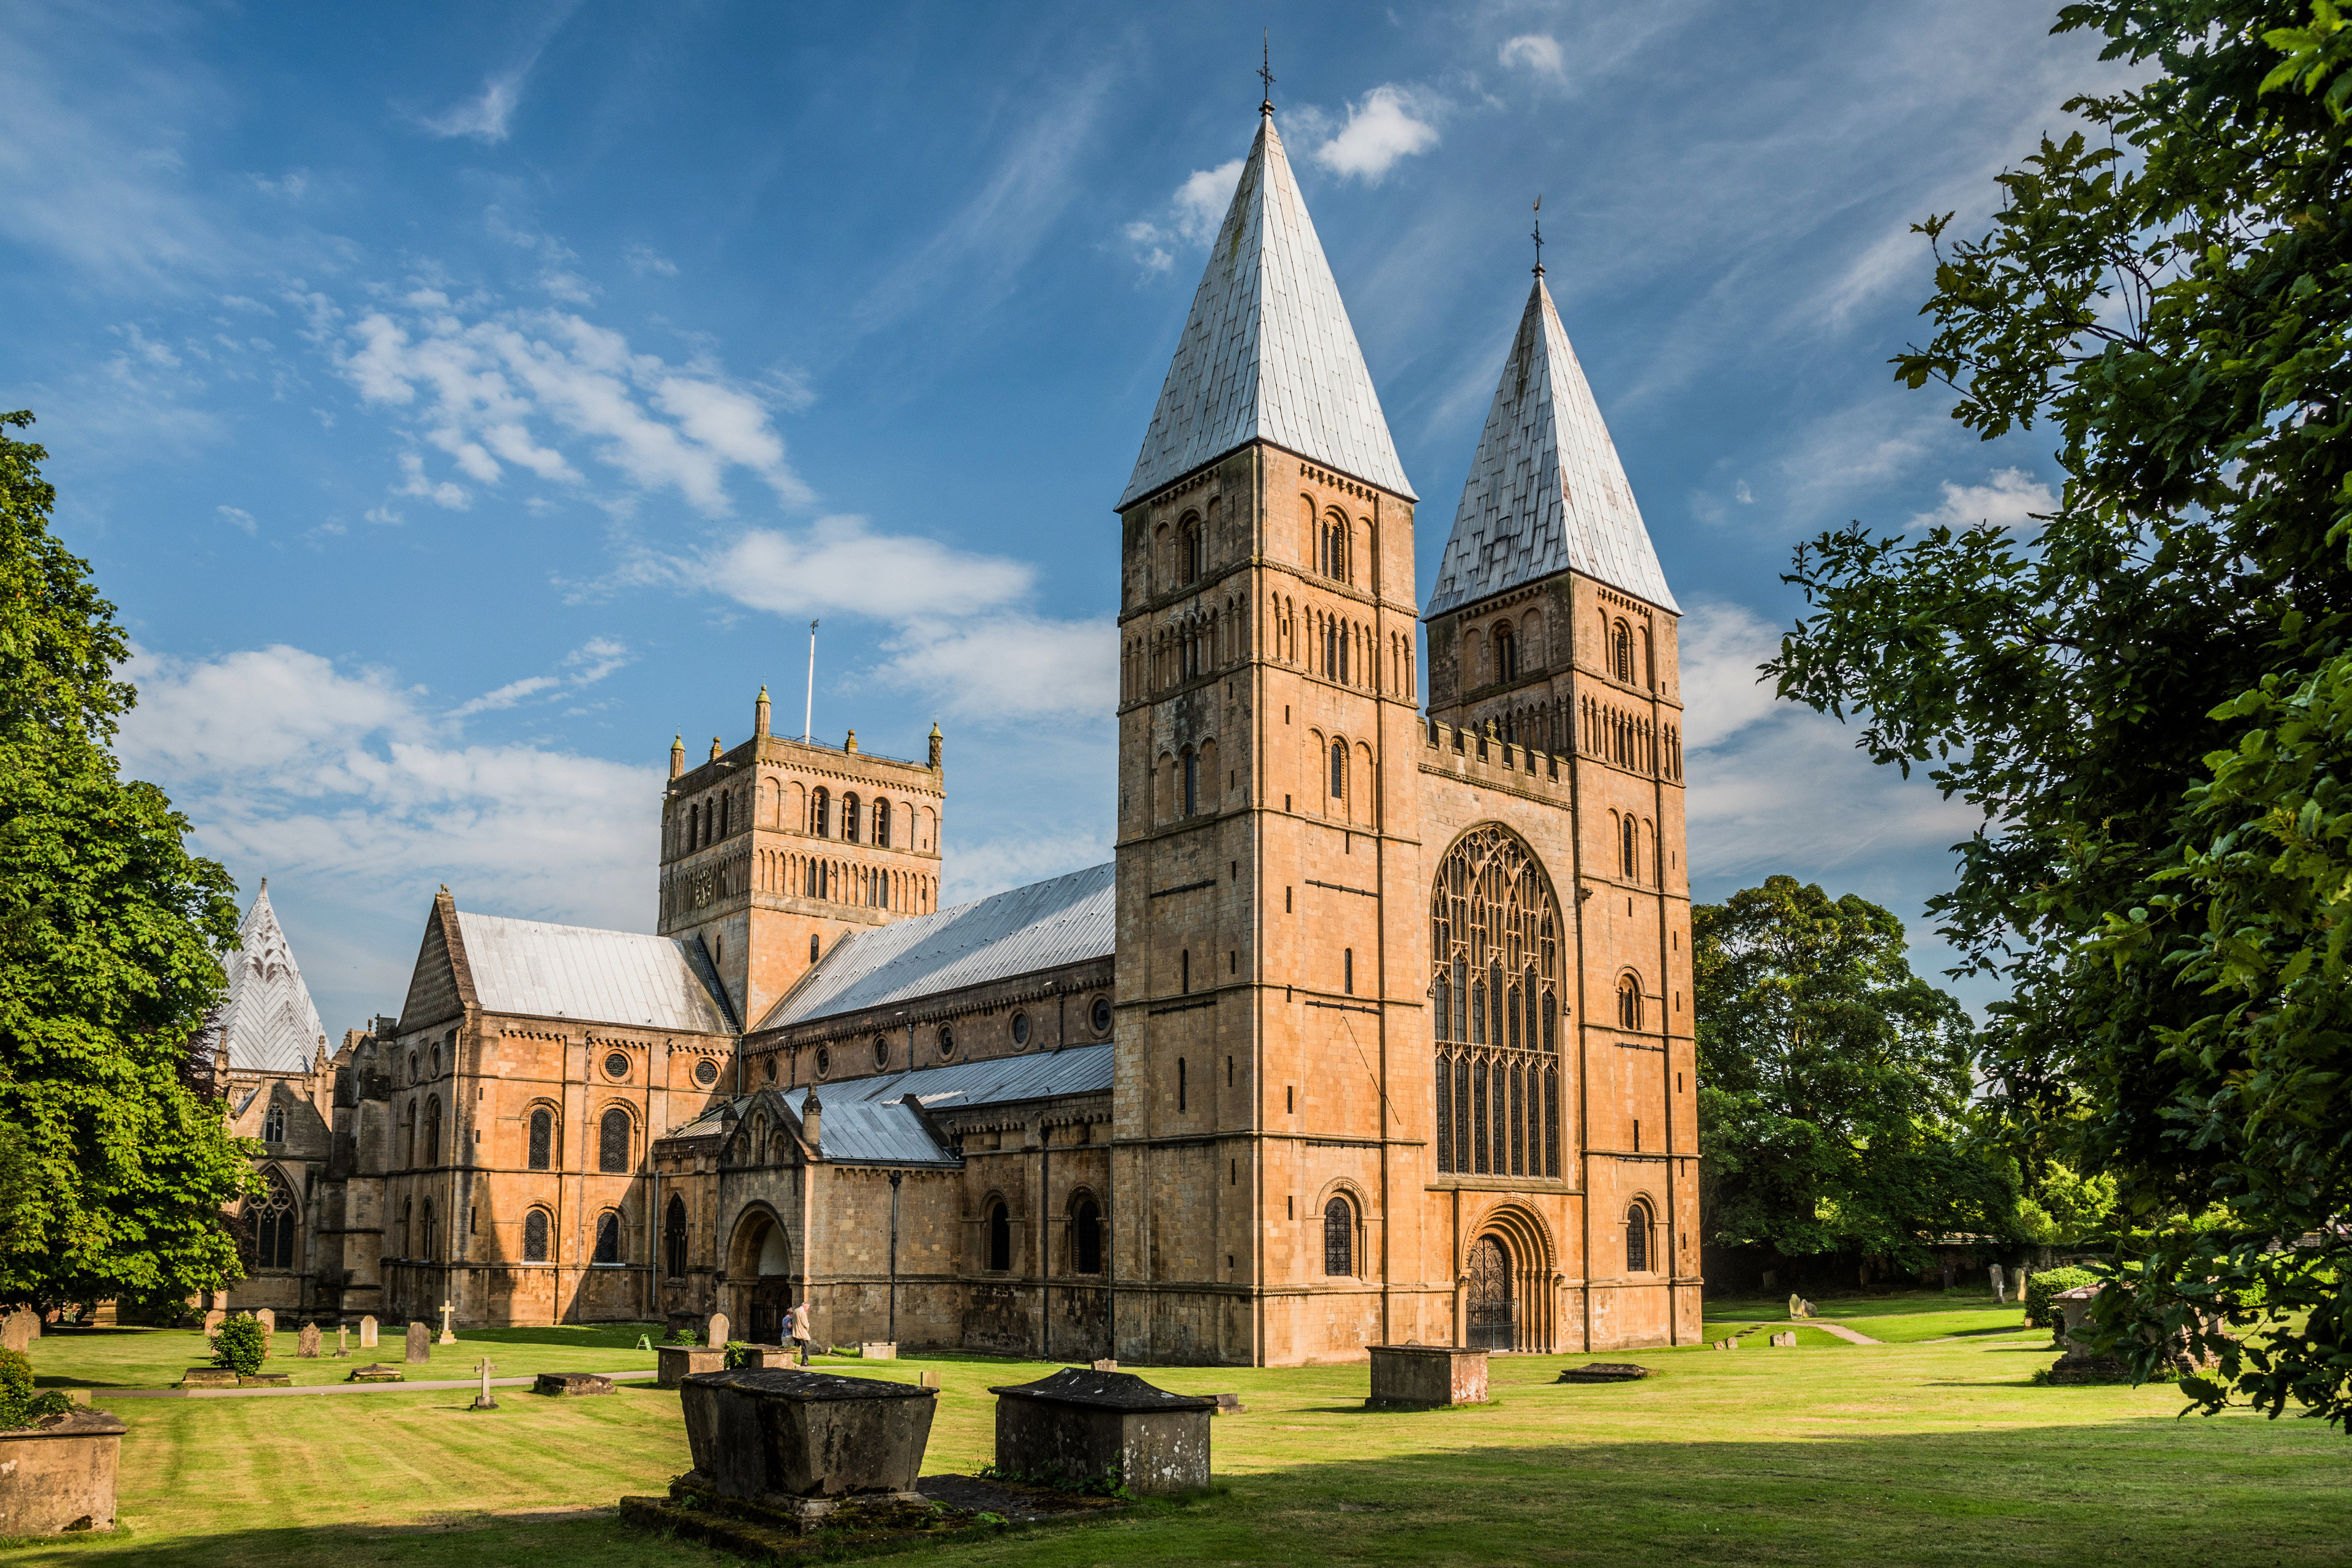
[(820, 820), (882, 824), (608, 1237), (613, 1142), (542, 1139), (674, 1236), (1496, 936), (1338, 1237), (273, 1125), (273, 1219), (849, 819), (534, 1237), (1637, 1240), (1000, 1238), (1086, 1237)]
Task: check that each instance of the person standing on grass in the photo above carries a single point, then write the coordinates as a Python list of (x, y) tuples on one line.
[(801, 1330)]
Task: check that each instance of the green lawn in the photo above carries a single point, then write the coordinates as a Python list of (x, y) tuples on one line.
[(156, 1358), (1904, 1453)]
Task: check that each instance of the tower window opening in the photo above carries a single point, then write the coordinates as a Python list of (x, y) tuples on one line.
[(849, 819), (1179, 1083), (821, 813), (882, 824), (1338, 770), (1191, 783), (1338, 1237), (1348, 970)]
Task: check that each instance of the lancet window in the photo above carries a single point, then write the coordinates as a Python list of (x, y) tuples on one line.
[(1496, 938), (274, 1220)]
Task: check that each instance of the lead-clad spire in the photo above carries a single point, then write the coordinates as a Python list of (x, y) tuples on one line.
[(1267, 351), (1546, 492), (269, 1021)]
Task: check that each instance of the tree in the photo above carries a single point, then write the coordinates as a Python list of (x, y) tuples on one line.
[(2148, 693), (1833, 1084), (108, 935)]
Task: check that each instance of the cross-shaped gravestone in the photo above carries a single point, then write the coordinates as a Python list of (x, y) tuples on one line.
[(342, 1340), (483, 1400), (447, 1337)]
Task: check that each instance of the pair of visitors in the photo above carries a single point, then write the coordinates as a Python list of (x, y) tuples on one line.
[(800, 1331)]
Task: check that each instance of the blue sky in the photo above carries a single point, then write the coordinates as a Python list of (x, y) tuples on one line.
[(460, 400)]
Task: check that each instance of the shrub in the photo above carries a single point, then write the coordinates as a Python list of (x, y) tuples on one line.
[(2039, 1312), (240, 1345), (738, 1353), (19, 1406)]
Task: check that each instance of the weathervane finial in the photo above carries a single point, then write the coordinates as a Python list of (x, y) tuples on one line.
[(1266, 70), (1538, 236)]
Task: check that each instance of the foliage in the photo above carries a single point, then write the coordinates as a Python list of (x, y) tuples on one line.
[(2041, 1286), (2149, 694), (1111, 1481), (682, 1337), (109, 930), (19, 1404), (738, 1353), (240, 1344), (1833, 1083)]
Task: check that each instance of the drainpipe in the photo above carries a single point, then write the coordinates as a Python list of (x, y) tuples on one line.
[(896, 1177), (1045, 1245)]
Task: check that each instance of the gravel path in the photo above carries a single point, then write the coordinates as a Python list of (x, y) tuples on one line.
[(1841, 1331), (97, 1396)]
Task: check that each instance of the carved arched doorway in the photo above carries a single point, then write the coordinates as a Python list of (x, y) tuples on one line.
[(1491, 1315), (759, 1265)]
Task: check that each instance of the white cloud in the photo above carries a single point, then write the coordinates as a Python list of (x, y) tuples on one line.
[(238, 517), (840, 565), (1191, 219), (1743, 495), (1383, 127), (1011, 667), (643, 260), (1537, 51), (1719, 647), (485, 117), (584, 666), (2010, 498)]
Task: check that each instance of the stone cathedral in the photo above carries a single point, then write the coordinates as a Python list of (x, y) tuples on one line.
[(1377, 1028)]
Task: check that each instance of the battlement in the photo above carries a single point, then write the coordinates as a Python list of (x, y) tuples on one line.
[(1478, 754)]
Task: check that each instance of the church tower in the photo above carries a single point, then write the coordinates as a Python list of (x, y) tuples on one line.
[(773, 851), (1551, 634), (1266, 1200)]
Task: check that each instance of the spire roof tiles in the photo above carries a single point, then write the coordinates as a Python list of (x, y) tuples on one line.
[(1267, 353), (269, 1022), (1546, 492)]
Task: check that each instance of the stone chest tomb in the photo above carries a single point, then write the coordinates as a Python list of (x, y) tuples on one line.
[(57, 1476), (805, 1441), (1423, 1376), (1079, 1425)]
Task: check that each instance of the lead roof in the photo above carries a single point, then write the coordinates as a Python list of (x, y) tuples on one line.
[(601, 976), (270, 1022), (1268, 352), (1546, 492)]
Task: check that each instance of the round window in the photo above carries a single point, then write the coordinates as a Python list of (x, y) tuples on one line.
[(706, 1073), (771, 1069), (1101, 1015), (947, 1043), (1020, 1029), (823, 1061), (616, 1065), (881, 1052)]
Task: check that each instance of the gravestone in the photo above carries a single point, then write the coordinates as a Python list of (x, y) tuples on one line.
[(879, 1350), (1784, 1341), (805, 1442), (679, 1363), (565, 1383), (342, 1341), (208, 1377), (307, 1347), (484, 1401), (1800, 1308), (367, 1333), (213, 1320), (267, 1318), (420, 1341), (927, 1380), (376, 1371), (1998, 1293), (447, 1337), (1230, 1405), (57, 1476), (1080, 1426), (1604, 1371), (1106, 1365), (17, 1332), (719, 1328), (1426, 1376)]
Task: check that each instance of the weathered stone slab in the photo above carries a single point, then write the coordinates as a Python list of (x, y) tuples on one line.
[(1080, 1425), (1106, 1365), (420, 1344), (1230, 1405), (765, 1357), (267, 1380), (367, 1333), (57, 1476), (208, 1377), (1784, 1341), (679, 1363), (805, 1440), (1604, 1371), (376, 1371), (879, 1350), (306, 1347), (568, 1383), (927, 1380), (1426, 1376)]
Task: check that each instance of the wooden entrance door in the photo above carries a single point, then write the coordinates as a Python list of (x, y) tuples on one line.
[(1492, 1325)]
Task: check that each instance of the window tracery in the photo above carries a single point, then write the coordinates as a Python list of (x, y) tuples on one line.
[(1496, 934)]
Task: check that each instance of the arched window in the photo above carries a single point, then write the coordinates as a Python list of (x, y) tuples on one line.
[(1334, 551), (542, 1139), (608, 1237), (694, 825), (405, 1209), (1339, 1236), (1495, 936), (849, 819), (882, 824), (1621, 653), (674, 1236), (534, 1237), (1086, 1237), (821, 818), (1000, 1238), (1630, 836), (428, 1237), (408, 1135), (432, 1130), (1637, 1240), (612, 1140), (1628, 1002), (1338, 770), (726, 815), (1193, 563), (1506, 654), (1192, 782), (812, 947), (1649, 660), (273, 1220), (273, 1125)]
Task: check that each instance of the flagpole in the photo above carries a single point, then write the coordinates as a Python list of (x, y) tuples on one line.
[(808, 713)]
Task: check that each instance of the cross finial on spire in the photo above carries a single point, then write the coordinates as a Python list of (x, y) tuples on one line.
[(1266, 70), (1538, 236)]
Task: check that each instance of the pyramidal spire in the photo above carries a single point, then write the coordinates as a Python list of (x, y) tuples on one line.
[(270, 1022), (1546, 492), (1267, 351)]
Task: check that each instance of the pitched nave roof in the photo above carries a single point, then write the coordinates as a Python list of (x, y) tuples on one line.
[(270, 1022), (1267, 351), (1546, 492)]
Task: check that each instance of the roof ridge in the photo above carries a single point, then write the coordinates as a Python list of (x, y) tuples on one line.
[(1546, 492)]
